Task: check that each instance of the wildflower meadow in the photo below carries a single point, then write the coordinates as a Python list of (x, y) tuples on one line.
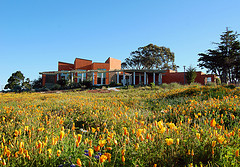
[(145, 126)]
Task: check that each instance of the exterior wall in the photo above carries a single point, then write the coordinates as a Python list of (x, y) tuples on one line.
[(96, 66), (49, 79), (115, 64), (65, 66), (172, 76), (82, 64), (43, 79)]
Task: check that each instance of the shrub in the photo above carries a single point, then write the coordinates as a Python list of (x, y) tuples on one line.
[(191, 74), (56, 87)]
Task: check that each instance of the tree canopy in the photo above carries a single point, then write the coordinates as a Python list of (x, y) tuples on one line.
[(191, 74), (151, 57), (16, 82), (224, 61)]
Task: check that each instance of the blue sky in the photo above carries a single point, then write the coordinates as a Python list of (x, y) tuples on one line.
[(36, 34)]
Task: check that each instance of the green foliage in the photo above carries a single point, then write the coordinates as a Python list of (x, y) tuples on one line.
[(223, 61), (62, 82), (173, 85), (151, 57), (56, 87), (37, 83), (191, 74), (218, 81), (16, 82)]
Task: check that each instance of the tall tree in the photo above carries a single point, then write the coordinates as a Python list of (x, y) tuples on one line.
[(151, 57), (224, 60), (191, 74), (16, 82), (37, 83)]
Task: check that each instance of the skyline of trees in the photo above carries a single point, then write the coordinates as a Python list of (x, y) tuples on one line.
[(224, 61)]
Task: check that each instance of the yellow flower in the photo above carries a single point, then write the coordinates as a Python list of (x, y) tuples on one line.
[(102, 143), (192, 153), (93, 130), (123, 152), (237, 153), (198, 135), (213, 143), (61, 135), (79, 138), (163, 130), (21, 145), (73, 127), (136, 146), (79, 163), (90, 152), (103, 158), (97, 148), (50, 151), (108, 156), (177, 142), (123, 159), (139, 132), (4, 162), (220, 139), (58, 153), (213, 123), (169, 141)]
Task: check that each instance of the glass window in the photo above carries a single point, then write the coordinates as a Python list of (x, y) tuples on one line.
[(99, 75), (64, 75), (81, 75)]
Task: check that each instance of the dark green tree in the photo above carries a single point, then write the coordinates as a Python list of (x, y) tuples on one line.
[(124, 65), (151, 57), (26, 84), (223, 61), (191, 74), (15, 81), (37, 83)]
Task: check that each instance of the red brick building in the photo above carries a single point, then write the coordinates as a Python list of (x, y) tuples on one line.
[(110, 71), (82, 70), (172, 76)]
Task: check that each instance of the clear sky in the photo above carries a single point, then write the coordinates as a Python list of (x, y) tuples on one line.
[(36, 34)]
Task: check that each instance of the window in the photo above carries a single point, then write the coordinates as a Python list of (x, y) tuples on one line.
[(209, 79), (99, 76), (64, 75), (81, 76)]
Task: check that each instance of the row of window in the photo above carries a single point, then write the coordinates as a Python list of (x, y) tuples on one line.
[(83, 76)]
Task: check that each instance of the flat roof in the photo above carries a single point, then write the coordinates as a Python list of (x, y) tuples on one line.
[(103, 71)]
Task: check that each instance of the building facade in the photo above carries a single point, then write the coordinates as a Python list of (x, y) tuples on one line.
[(110, 71), (81, 70)]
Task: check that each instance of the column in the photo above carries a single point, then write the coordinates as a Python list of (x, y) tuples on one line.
[(82, 76), (117, 77), (130, 79), (145, 78), (101, 78), (71, 77), (140, 78), (133, 78), (160, 78), (124, 79), (93, 78), (154, 77)]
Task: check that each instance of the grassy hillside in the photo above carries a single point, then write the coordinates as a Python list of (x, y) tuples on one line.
[(165, 126)]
